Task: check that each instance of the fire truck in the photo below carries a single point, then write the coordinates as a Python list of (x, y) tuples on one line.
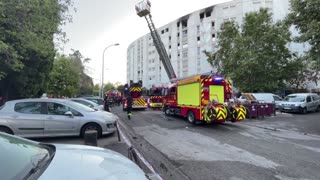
[(135, 91), (113, 97), (203, 97), (156, 98)]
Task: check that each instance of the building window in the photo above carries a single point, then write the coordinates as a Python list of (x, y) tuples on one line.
[(213, 24), (178, 24), (198, 38), (198, 51), (201, 15), (213, 35), (167, 29), (184, 33), (169, 38), (178, 44), (169, 57), (178, 34), (208, 13), (169, 46), (198, 29), (184, 23), (185, 54), (185, 46), (162, 31)]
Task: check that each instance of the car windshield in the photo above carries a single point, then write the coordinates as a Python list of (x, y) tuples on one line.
[(19, 155), (79, 106), (295, 98), (96, 100)]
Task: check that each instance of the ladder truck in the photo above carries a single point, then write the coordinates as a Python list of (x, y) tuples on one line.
[(199, 98)]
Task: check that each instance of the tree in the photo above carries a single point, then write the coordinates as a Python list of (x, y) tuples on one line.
[(86, 82), (120, 88), (64, 78), (96, 89), (256, 56), (27, 50), (108, 86), (305, 17)]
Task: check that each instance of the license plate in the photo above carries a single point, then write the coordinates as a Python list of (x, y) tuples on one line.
[(287, 108)]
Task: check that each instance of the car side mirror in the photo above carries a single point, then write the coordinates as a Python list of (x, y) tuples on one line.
[(69, 114)]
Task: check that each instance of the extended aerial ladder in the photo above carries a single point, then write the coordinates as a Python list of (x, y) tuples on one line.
[(143, 10)]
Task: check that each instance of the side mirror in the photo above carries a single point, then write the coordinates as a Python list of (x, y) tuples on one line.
[(69, 114)]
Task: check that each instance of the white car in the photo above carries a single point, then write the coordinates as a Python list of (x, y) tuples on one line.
[(265, 98), (88, 103), (301, 102), (24, 159), (53, 117)]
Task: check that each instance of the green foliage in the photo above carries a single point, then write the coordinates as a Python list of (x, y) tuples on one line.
[(68, 78), (256, 56), (27, 50), (305, 17), (120, 88), (85, 83), (109, 86), (64, 78), (96, 90)]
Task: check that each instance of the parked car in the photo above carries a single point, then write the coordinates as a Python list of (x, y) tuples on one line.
[(53, 117), (265, 97), (25, 159), (94, 99), (88, 103), (301, 102)]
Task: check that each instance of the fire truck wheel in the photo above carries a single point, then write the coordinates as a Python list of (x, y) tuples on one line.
[(167, 111), (191, 118)]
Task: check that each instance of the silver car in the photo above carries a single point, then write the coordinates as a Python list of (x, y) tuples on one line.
[(88, 103), (24, 159), (53, 117)]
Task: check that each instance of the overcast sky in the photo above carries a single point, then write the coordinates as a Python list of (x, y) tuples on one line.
[(99, 23)]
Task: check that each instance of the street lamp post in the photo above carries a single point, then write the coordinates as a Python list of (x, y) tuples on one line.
[(102, 78)]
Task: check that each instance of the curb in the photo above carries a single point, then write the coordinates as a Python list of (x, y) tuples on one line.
[(160, 162)]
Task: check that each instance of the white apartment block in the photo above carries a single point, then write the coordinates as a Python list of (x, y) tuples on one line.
[(186, 38)]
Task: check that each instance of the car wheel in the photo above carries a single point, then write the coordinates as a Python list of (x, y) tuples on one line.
[(91, 127), (304, 110), (191, 118), (6, 130)]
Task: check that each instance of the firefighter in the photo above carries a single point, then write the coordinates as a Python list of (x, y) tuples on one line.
[(129, 106), (106, 104)]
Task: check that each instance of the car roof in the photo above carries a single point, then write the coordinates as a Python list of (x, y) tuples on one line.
[(302, 94), (83, 99), (38, 100)]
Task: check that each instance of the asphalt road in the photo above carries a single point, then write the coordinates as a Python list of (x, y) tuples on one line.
[(282, 147)]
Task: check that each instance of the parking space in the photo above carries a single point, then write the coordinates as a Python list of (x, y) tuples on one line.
[(304, 123)]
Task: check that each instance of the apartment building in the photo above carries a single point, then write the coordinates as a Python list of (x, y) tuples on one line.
[(187, 37)]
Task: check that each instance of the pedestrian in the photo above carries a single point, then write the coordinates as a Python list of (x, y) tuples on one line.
[(129, 106), (106, 104)]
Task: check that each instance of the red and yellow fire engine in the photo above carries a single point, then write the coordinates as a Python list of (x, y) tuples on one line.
[(156, 98), (135, 91), (203, 98)]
